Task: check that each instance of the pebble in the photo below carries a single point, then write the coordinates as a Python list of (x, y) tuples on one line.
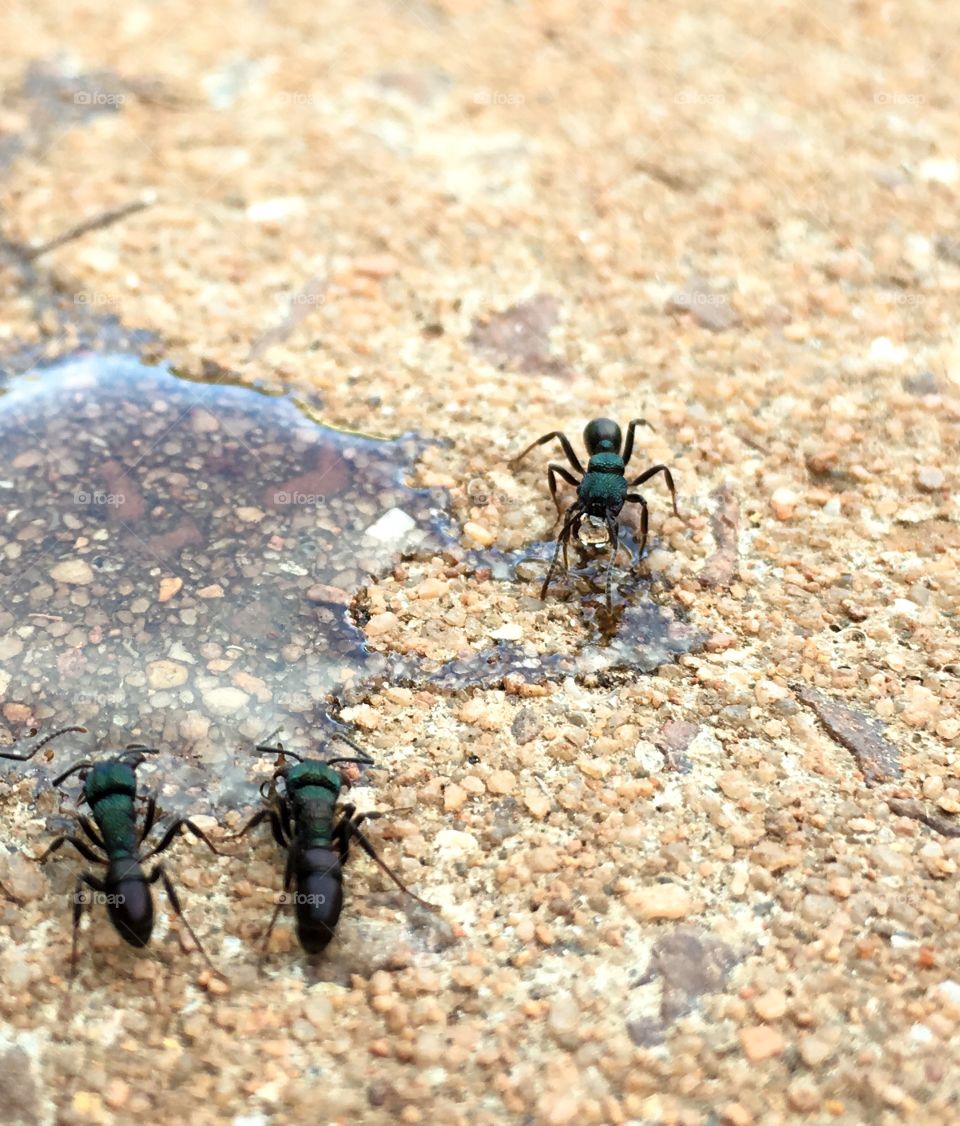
[(930, 479), (21, 878), (768, 691), (512, 631), (166, 674), (454, 797), (563, 1021), (74, 572), (544, 858), (380, 624), (478, 533), (455, 843), (526, 726), (501, 782), (771, 1006), (537, 803), (431, 588), (761, 1042), (169, 586), (783, 501), (803, 1096), (661, 901), (814, 1050), (225, 700), (392, 527)]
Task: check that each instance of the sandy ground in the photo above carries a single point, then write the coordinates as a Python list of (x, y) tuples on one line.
[(725, 892)]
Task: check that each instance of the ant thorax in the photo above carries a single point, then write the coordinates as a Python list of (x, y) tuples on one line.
[(593, 532)]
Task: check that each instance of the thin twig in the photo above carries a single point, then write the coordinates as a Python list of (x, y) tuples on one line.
[(96, 223)]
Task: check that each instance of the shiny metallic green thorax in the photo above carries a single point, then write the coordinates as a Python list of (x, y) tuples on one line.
[(313, 789), (110, 789)]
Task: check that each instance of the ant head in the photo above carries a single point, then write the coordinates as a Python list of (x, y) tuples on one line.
[(602, 436), (110, 773)]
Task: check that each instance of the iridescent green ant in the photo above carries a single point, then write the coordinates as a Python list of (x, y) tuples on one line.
[(316, 835), (110, 790), (603, 488)]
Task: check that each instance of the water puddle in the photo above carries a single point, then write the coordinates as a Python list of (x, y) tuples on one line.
[(179, 562), (178, 559), (644, 629)]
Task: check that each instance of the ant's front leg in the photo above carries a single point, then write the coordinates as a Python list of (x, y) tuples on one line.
[(628, 445), (564, 442), (613, 530), (43, 742), (553, 472), (636, 498)]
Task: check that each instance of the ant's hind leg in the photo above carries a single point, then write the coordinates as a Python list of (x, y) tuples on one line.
[(667, 476), (160, 874), (352, 829), (78, 903), (167, 838), (81, 846), (288, 873)]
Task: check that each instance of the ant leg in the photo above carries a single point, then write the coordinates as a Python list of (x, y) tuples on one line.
[(91, 831), (159, 874), (553, 472), (628, 446), (149, 819), (636, 498), (561, 545), (81, 846), (78, 902), (563, 440), (668, 477), (352, 829), (287, 881), (43, 742), (257, 819), (173, 830), (613, 529)]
